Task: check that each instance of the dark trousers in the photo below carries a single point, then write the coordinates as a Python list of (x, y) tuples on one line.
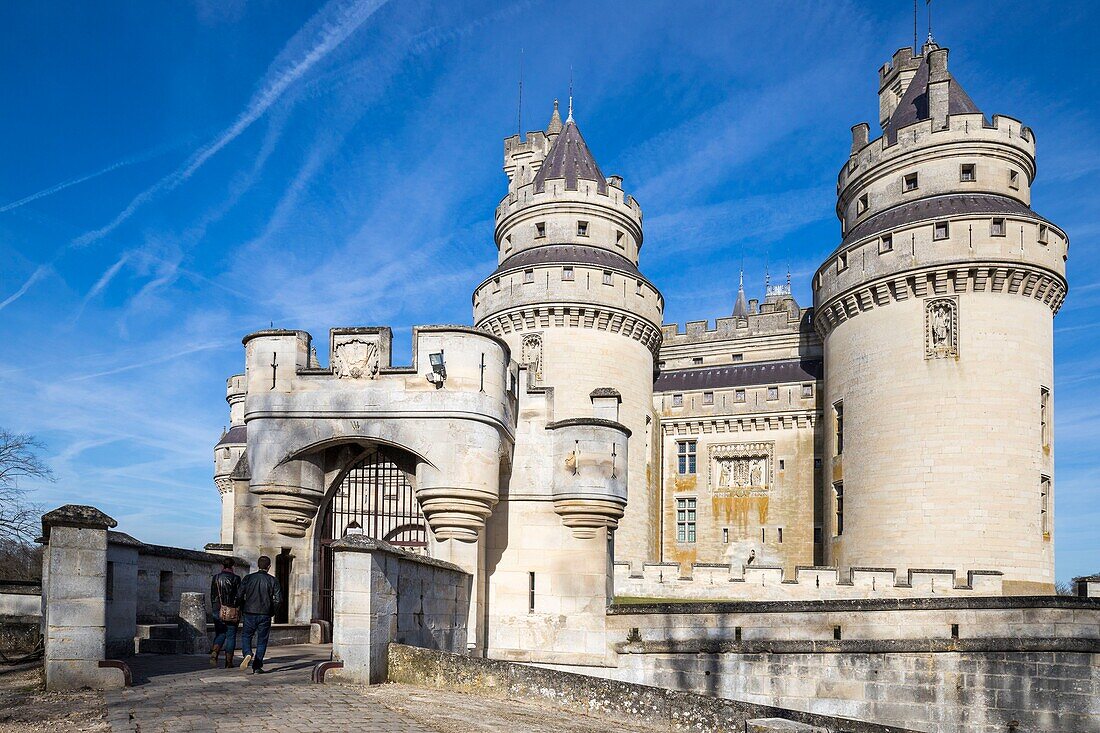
[(225, 635), (260, 625)]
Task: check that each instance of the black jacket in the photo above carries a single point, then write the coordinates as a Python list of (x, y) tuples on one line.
[(259, 593), (223, 587)]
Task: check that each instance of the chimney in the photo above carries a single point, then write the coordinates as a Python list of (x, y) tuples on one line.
[(939, 82), (861, 134)]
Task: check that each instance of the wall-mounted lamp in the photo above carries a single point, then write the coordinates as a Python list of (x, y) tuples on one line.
[(438, 374)]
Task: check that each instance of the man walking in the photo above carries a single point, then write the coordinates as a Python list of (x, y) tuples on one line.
[(258, 597), (223, 598)]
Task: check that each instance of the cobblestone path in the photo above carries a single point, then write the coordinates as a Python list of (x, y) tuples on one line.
[(182, 694)]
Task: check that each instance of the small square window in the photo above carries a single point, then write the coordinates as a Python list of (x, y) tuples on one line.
[(817, 463), (861, 204), (773, 393), (1013, 179), (582, 229), (528, 276), (567, 273), (1044, 234), (540, 230), (886, 244), (941, 230), (911, 182), (807, 391), (619, 240), (738, 357), (997, 227), (696, 360), (607, 277), (708, 398), (677, 400), (968, 172), (842, 262), (739, 395)]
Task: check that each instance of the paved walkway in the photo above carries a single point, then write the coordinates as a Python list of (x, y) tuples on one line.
[(180, 694)]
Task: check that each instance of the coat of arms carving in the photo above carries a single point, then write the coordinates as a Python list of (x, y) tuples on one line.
[(355, 359)]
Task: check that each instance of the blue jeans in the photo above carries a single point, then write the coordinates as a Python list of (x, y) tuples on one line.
[(225, 635), (260, 625)]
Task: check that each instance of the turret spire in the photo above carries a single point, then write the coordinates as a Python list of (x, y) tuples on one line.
[(741, 306), (569, 118), (555, 125)]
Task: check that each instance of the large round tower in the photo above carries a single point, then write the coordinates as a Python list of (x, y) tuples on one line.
[(937, 316), (570, 301)]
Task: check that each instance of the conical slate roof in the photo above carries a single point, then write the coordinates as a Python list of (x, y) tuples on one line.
[(913, 106), (570, 159), (741, 307)]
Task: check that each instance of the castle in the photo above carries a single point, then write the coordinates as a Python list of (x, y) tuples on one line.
[(569, 441)]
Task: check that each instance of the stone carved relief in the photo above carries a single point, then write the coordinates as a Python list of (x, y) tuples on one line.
[(741, 469), (941, 328), (531, 354), (355, 359)]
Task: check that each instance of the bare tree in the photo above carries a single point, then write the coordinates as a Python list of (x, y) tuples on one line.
[(19, 459)]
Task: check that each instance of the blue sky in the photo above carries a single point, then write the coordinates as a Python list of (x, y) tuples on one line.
[(175, 175)]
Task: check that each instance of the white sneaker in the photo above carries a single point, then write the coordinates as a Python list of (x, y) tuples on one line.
[(246, 661)]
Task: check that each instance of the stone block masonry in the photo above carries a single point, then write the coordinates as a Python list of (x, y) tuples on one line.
[(384, 594)]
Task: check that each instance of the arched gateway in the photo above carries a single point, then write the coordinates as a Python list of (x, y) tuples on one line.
[(374, 497)]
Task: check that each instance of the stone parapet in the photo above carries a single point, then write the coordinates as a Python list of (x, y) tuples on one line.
[(710, 581)]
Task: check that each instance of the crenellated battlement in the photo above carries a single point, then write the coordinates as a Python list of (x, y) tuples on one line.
[(711, 581)]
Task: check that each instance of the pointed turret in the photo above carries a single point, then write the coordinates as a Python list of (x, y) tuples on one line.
[(570, 159), (741, 306), (555, 125)]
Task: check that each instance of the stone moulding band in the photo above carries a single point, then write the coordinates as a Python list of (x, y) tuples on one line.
[(858, 646), (574, 316), (1006, 278), (743, 423)]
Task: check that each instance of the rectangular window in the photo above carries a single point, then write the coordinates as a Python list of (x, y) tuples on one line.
[(941, 230), (567, 273), (530, 592), (780, 531), (1044, 234), (582, 229), (886, 244), (910, 182), (807, 391), (708, 398), (773, 393), (165, 591), (739, 395), (738, 357), (1044, 506), (677, 400), (638, 287), (838, 408), (685, 454), (540, 230), (782, 464), (838, 494), (685, 520), (842, 262), (496, 284), (607, 277), (817, 464), (528, 276), (1044, 417), (1013, 179), (968, 172), (861, 204), (817, 535), (725, 535), (619, 240), (997, 227), (508, 243), (696, 360)]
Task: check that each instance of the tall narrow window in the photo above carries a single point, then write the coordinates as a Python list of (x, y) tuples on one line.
[(530, 592), (839, 409), (725, 535), (780, 531), (685, 454), (842, 262), (110, 581), (685, 520), (1044, 234), (619, 240), (1044, 416), (838, 492), (1044, 506)]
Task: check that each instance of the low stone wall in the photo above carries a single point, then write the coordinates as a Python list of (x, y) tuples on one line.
[(620, 700), (384, 594), (946, 665), (708, 581), (166, 573), (20, 598), (19, 634)]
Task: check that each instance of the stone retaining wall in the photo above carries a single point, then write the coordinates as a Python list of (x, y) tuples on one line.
[(19, 634), (621, 700)]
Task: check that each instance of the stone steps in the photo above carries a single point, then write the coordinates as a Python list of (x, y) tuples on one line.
[(159, 646)]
